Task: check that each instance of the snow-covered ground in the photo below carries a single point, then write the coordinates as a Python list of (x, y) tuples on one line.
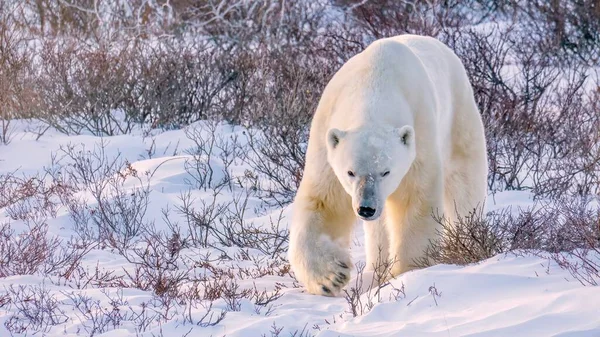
[(506, 295)]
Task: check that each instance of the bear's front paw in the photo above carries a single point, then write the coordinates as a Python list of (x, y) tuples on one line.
[(323, 267), (333, 280)]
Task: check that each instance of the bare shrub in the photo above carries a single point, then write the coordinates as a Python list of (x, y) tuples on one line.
[(470, 239), (281, 162), (118, 214), (361, 298), (235, 230), (83, 89), (200, 165), (201, 217), (32, 198), (111, 89), (532, 109), (566, 230), (36, 309), (354, 296), (582, 264), (575, 242), (223, 224), (156, 264), (210, 318), (17, 99), (82, 278), (568, 29), (162, 77), (282, 114), (384, 18), (180, 83), (34, 251), (562, 164), (108, 87), (5, 131), (224, 285), (25, 254), (98, 318)]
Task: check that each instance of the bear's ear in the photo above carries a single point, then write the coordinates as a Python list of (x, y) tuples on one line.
[(334, 136), (406, 134)]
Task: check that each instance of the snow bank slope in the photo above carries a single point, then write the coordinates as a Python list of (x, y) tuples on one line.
[(503, 296)]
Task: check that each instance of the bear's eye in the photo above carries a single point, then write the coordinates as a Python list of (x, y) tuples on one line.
[(385, 173), (350, 173)]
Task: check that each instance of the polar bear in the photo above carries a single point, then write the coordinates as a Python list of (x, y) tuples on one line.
[(396, 139)]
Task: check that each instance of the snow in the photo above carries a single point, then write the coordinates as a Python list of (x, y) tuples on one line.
[(502, 296), (507, 295)]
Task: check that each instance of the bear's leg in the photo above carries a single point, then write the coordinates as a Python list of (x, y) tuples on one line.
[(465, 181), (463, 195), (465, 173), (376, 245), (319, 244), (411, 232)]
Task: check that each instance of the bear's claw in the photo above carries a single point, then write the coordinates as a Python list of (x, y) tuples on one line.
[(323, 267), (332, 284), (342, 264)]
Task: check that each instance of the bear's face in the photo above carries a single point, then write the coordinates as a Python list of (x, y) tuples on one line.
[(370, 164)]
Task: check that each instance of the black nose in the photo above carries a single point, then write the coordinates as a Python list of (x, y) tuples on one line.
[(366, 212)]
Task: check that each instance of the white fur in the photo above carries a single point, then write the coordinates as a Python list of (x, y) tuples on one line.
[(405, 105)]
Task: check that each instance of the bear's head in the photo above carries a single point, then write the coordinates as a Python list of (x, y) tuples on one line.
[(370, 164)]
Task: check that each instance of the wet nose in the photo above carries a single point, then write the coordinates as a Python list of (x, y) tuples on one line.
[(366, 212)]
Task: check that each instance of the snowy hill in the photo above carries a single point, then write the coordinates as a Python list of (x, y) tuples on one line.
[(187, 257)]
